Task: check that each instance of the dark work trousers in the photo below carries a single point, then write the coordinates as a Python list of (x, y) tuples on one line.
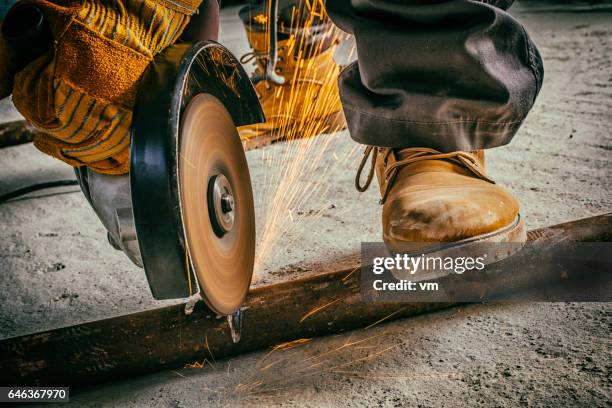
[(445, 74)]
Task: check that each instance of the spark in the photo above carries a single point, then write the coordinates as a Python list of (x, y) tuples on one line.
[(177, 373), (272, 364), (197, 364), (291, 344), (351, 273), (385, 318), (319, 308), (208, 348), (243, 387)]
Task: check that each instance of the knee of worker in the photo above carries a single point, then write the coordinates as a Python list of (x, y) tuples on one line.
[(80, 92)]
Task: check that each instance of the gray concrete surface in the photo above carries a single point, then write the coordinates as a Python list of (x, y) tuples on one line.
[(57, 269)]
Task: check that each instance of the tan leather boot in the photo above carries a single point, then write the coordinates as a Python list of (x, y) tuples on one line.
[(431, 197), (307, 104)]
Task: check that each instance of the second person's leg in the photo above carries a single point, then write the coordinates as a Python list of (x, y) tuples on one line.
[(307, 103)]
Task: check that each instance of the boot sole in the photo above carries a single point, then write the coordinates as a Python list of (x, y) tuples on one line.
[(511, 238), (335, 122)]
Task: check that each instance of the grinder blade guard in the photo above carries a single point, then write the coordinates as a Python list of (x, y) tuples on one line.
[(185, 211)]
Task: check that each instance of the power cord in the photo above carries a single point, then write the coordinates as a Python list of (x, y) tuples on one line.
[(35, 187)]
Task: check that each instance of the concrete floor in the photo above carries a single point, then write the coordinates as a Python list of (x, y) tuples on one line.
[(56, 268)]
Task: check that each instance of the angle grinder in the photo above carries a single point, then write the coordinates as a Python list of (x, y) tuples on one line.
[(185, 211)]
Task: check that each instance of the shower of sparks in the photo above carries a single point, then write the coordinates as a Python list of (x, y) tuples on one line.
[(293, 369), (290, 364), (301, 172)]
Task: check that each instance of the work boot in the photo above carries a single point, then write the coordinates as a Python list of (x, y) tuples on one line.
[(431, 197), (307, 104)]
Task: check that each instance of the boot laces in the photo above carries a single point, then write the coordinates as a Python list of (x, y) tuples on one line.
[(258, 56), (261, 57), (412, 155), (261, 62)]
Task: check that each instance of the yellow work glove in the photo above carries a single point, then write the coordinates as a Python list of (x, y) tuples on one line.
[(80, 94)]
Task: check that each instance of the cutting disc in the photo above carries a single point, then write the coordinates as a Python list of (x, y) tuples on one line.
[(216, 203)]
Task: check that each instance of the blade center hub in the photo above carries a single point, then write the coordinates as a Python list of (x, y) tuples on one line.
[(227, 203), (221, 205)]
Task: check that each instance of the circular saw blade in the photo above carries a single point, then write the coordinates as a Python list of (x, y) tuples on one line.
[(212, 167)]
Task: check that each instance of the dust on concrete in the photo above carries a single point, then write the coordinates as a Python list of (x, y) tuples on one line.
[(57, 269)]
